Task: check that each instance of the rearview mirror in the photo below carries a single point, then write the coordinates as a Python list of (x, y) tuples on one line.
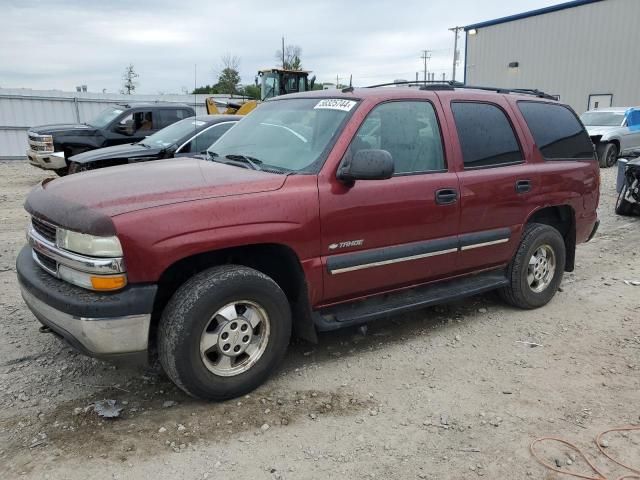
[(367, 165), (126, 128)]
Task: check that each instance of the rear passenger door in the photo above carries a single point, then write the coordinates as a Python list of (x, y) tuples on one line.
[(383, 234), (496, 183)]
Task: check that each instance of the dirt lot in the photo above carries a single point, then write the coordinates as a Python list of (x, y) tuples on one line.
[(443, 393)]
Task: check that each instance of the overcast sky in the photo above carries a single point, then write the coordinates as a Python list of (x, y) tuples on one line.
[(58, 44)]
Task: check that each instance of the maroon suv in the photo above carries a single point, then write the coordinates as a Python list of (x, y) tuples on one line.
[(318, 211)]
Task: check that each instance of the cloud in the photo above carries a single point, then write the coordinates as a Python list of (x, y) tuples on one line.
[(63, 43)]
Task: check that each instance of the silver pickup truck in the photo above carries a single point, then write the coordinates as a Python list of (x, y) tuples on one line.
[(615, 131)]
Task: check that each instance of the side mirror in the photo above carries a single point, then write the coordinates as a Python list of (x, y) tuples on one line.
[(126, 129), (367, 165)]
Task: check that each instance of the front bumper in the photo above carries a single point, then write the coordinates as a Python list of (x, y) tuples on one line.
[(104, 325), (47, 160)]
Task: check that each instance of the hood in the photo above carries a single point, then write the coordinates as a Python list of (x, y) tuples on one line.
[(130, 150), (597, 130), (86, 202), (58, 128)]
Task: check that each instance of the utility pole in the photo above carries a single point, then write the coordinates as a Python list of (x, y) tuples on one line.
[(455, 31), (426, 55)]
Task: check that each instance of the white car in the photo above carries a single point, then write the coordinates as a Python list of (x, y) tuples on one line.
[(615, 131)]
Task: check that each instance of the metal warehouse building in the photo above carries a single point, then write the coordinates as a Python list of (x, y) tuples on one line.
[(587, 52)]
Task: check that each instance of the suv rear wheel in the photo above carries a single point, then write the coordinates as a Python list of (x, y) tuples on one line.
[(536, 270), (607, 154), (224, 332)]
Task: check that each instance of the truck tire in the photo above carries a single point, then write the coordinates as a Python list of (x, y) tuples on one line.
[(61, 172), (224, 332), (607, 154), (536, 270), (75, 167), (623, 207)]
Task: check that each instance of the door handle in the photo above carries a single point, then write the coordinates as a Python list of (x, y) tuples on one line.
[(446, 196), (523, 186)]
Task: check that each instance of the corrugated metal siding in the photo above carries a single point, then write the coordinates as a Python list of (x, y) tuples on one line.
[(21, 109), (589, 49)]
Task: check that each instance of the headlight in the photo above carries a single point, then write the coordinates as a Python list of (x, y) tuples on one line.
[(88, 244), (100, 283)]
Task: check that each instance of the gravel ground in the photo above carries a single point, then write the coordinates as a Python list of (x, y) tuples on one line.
[(447, 392)]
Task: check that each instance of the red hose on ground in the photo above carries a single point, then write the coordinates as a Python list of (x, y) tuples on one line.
[(600, 476)]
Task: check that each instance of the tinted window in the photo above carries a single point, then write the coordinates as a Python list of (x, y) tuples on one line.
[(206, 139), (486, 136), (556, 131), (166, 116), (409, 131)]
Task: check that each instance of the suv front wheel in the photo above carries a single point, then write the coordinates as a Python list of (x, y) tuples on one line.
[(536, 270), (224, 332)]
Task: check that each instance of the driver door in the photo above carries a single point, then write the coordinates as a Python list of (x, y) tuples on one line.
[(378, 235)]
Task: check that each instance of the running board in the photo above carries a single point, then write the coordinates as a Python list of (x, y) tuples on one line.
[(381, 306)]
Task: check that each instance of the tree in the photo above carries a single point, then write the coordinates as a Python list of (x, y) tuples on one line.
[(229, 78), (292, 54), (129, 79), (253, 91), (210, 89)]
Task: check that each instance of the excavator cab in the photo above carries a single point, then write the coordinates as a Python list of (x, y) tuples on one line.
[(276, 81)]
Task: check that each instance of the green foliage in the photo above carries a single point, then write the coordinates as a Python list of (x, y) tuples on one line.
[(210, 89), (253, 92), (228, 81)]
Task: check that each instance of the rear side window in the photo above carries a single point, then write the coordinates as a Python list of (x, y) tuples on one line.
[(486, 135), (556, 131), (168, 116)]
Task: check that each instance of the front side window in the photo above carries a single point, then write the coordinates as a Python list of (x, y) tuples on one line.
[(143, 122), (556, 131), (408, 130), (292, 135), (486, 136), (175, 133), (105, 117)]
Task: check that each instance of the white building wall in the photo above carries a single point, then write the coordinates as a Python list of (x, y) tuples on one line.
[(575, 52), (24, 108)]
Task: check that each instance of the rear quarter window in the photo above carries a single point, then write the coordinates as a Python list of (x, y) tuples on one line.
[(557, 131)]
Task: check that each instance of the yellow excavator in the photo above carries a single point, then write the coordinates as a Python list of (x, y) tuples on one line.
[(273, 82)]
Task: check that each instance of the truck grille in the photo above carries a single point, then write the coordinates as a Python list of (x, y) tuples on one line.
[(46, 262), (45, 229), (40, 143)]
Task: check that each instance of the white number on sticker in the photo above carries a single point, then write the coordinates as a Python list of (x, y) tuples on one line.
[(336, 104)]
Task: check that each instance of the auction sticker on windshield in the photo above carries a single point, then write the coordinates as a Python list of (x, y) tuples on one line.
[(336, 104)]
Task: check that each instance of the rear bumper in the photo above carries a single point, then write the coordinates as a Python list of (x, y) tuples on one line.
[(47, 160), (103, 325)]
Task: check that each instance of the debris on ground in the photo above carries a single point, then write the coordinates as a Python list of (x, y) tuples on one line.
[(108, 408)]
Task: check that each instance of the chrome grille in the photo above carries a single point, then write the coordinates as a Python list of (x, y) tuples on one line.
[(40, 143), (45, 229), (45, 262)]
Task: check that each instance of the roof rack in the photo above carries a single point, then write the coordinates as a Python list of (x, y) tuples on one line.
[(449, 85)]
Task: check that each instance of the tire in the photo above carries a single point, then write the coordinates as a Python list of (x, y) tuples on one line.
[(520, 292), (623, 207), (607, 154), (62, 172), (192, 314)]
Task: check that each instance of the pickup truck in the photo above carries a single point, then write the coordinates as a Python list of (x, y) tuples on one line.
[(615, 132), (51, 146), (188, 137), (318, 211)]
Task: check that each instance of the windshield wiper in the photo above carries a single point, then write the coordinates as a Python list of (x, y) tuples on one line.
[(251, 161)]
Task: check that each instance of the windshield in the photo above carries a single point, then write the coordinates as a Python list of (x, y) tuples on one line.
[(174, 133), (290, 135), (105, 117), (602, 119)]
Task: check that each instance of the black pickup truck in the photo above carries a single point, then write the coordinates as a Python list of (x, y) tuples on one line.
[(50, 146)]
